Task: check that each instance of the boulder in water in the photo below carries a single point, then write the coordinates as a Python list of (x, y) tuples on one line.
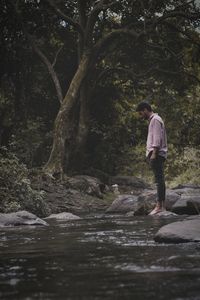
[(180, 232), (194, 204), (149, 199), (123, 204), (20, 218), (186, 205)]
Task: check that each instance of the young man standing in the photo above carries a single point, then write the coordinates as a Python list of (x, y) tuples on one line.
[(156, 151)]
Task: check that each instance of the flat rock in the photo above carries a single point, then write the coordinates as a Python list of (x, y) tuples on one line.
[(20, 218), (63, 216), (179, 232)]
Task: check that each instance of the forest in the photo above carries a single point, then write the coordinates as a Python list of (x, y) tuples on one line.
[(72, 74)]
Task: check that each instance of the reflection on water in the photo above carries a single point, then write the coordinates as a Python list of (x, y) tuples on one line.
[(97, 258)]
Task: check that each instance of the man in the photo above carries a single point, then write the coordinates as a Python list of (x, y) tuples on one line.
[(156, 151)]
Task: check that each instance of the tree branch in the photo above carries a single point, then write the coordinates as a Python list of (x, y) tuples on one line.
[(45, 60), (174, 14), (56, 56), (112, 35), (69, 20), (119, 70), (186, 34), (92, 18), (48, 65)]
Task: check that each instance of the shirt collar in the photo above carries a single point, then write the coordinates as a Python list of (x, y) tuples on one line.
[(151, 117)]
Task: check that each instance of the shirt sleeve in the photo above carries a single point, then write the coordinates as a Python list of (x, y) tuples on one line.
[(156, 133)]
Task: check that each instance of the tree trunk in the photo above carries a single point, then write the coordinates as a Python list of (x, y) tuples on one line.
[(78, 157), (63, 130)]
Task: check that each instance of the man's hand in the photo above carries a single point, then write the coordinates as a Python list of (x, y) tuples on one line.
[(154, 154)]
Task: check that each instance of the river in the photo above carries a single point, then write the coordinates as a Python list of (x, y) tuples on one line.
[(98, 257)]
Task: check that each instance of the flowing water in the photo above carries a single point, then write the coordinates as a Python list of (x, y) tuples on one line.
[(98, 257)]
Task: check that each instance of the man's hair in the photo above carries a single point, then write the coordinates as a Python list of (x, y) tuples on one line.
[(142, 105)]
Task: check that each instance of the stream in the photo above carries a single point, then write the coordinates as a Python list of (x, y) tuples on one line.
[(97, 257)]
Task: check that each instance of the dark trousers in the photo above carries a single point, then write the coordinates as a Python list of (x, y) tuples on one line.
[(157, 166)]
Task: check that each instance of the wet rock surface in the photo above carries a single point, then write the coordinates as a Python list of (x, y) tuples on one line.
[(194, 204), (179, 232), (83, 194), (78, 194), (20, 218), (123, 204), (63, 216), (141, 204)]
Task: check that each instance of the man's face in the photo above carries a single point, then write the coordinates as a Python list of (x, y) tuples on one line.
[(144, 114)]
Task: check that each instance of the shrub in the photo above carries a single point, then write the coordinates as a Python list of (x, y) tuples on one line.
[(15, 187)]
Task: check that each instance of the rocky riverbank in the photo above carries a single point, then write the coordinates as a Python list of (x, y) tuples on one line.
[(127, 195)]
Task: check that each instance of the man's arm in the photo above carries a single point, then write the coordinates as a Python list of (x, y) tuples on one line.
[(157, 127)]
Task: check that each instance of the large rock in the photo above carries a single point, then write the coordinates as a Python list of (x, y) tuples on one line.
[(180, 232), (148, 200), (63, 216), (20, 218), (171, 198), (102, 176), (187, 186), (86, 184), (185, 190), (194, 203), (142, 204), (62, 199), (123, 204), (185, 205)]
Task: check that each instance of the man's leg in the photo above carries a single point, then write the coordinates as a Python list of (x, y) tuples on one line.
[(157, 166)]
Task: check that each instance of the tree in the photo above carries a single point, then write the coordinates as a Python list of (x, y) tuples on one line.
[(147, 25), (156, 31)]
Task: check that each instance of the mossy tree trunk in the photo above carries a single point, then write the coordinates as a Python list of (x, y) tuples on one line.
[(63, 130)]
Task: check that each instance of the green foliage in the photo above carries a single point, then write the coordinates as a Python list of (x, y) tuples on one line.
[(180, 167), (160, 67), (184, 167), (15, 187), (133, 163), (30, 142)]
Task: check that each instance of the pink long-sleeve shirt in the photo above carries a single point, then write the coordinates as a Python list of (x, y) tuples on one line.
[(157, 137)]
